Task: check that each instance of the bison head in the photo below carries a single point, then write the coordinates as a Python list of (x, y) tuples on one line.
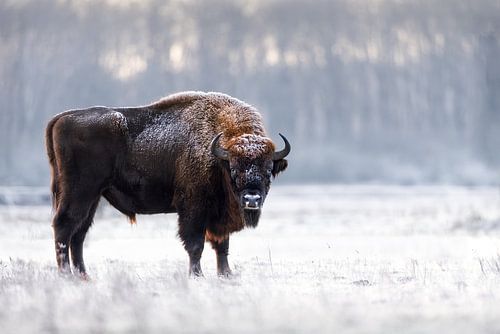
[(251, 160)]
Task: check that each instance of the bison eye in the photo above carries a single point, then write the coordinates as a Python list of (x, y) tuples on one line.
[(269, 172)]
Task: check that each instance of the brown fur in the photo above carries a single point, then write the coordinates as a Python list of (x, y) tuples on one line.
[(250, 146), (233, 221), (178, 99)]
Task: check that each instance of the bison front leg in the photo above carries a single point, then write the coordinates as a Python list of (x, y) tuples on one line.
[(194, 247), (192, 234), (222, 250)]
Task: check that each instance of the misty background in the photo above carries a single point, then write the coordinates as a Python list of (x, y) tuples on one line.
[(366, 91)]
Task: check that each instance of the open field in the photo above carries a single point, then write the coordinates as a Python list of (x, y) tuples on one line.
[(351, 259)]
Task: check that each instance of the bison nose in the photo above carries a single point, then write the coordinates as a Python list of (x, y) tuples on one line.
[(252, 202)]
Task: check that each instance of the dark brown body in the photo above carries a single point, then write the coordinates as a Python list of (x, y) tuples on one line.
[(152, 159)]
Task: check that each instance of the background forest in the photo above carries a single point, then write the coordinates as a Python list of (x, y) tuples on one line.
[(367, 91)]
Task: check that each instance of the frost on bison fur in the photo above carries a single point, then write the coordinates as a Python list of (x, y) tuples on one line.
[(205, 156)]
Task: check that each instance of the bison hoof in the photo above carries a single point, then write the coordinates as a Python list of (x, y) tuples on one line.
[(196, 275), (74, 275), (196, 272), (64, 271), (226, 273), (83, 276)]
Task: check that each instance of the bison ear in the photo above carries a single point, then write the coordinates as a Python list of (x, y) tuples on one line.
[(279, 166)]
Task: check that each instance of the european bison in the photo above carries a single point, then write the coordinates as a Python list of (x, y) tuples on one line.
[(205, 156)]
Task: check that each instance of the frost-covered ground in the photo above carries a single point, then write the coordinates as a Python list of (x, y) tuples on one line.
[(324, 259)]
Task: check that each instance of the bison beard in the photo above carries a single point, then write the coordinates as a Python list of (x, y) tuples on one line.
[(205, 156)]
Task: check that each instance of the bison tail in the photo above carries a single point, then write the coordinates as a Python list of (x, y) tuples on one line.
[(49, 143), (131, 219)]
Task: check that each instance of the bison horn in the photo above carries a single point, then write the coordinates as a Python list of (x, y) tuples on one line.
[(217, 150), (284, 152)]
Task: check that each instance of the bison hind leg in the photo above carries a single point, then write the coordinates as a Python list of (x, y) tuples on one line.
[(77, 240), (71, 222)]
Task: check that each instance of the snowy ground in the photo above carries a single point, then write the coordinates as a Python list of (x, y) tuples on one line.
[(324, 259)]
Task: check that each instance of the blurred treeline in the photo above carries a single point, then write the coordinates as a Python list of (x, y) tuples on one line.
[(381, 90)]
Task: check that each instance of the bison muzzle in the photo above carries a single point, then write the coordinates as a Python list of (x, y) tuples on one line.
[(205, 156)]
